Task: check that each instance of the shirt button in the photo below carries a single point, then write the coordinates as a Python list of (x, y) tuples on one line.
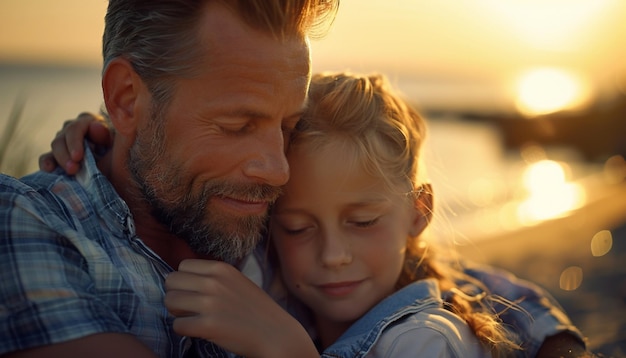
[(130, 226)]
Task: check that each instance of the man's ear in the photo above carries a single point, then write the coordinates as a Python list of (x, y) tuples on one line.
[(423, 204), (122, 89)]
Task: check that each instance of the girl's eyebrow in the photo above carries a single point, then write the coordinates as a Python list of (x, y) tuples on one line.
[(369, 202), (289, 211), (353, 205)]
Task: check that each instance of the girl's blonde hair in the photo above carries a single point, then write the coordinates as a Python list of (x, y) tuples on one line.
[(386, 134)]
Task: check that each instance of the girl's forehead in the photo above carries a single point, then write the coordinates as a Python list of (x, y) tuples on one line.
[(349, 155), (337, 167), (343, 156)]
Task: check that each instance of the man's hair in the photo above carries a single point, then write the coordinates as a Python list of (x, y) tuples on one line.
[(159, 37)]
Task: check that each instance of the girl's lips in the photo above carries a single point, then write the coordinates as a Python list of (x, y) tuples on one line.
[(243, 207), (338, 289)]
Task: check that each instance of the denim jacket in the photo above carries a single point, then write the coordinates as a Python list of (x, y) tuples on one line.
[(537, 316), (411, 322)]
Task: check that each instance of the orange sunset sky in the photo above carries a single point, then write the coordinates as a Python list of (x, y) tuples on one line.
[(466, 40)]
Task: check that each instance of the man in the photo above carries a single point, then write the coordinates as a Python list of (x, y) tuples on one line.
[(202, 95)]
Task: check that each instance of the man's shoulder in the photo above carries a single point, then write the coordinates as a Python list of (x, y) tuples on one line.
[(37, 185), (33, 181), (42, 194)]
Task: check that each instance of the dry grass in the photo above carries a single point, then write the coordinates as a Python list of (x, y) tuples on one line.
[(14, 156)]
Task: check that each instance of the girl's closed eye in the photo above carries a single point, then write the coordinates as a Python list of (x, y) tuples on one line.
[(293, 231), (293, 228), (364, 223), (367, 214)]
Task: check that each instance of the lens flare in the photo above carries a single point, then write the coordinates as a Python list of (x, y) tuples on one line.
[(571, 278), (601, 243)]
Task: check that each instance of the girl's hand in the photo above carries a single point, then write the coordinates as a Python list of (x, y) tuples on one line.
[(67, 146), (213, 300)]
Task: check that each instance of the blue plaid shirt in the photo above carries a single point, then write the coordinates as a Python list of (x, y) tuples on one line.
[(71, 265)]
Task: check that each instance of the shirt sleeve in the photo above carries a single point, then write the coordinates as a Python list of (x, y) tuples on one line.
[(420, 342), (47, 295), (535, 315), (430, 333)]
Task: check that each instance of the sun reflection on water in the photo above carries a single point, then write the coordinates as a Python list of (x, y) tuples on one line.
[(550, 194)]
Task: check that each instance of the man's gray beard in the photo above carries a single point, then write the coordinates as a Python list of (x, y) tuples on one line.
[(215, 237), (174, 205)]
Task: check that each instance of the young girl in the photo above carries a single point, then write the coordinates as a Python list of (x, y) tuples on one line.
[(347, 233), (346, 238)]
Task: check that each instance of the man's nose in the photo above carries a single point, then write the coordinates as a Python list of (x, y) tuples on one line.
[(268, 162)]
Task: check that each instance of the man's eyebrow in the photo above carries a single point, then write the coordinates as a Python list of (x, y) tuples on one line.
[(248, 113), (253, 114)]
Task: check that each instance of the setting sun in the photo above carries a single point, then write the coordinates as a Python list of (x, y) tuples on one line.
[(546, 90)]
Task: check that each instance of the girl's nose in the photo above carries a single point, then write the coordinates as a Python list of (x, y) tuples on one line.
[(335, 251)]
